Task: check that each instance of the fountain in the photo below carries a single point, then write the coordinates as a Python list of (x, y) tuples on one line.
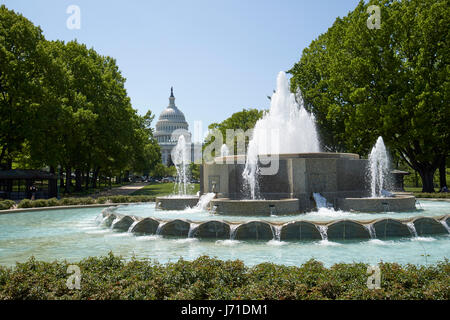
[(285, 116), (181, 160), (181, 199), (284, 170), (378, 168), (224, 151)]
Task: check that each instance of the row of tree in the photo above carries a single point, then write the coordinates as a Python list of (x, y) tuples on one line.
[(64, 105), (393, 82)]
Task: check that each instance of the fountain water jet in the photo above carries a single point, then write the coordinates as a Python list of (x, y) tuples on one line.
[(181, 198), (224, 151), (180, 157), (285, 116), (378, 168)]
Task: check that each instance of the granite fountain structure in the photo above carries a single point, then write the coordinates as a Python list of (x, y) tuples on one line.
[(286, 135)]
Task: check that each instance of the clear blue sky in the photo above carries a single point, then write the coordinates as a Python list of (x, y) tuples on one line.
[(220, 56)]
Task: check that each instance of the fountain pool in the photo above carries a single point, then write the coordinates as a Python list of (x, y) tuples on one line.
[(73, 234)]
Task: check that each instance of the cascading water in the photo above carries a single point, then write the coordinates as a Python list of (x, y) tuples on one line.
[(224, 151), (372, 231), (378, 168), (444, 223), (233, 228), (204, 201), (158, 230), (132, 226), (288, 127), (321, 201), (323, 232), (412, 229), (192, 228), (180, 157), (276, 230)]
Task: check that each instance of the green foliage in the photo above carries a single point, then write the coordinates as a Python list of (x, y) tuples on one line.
[(242, 120), (195, 170), (27, 203), (62, 104), (22, 65), (110, 277), (161, 171), (393, 82), (6, 204)]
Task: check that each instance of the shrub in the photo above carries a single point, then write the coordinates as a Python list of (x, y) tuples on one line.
[(6, 204), (25, 203), (102, 200), (53, 202), (111, 277)]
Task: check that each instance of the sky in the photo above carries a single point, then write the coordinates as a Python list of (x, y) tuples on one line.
[(219, 55)]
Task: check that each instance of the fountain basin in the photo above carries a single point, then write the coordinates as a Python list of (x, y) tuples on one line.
[(255, 207), (300, 230), (398, 203), (176, 203)]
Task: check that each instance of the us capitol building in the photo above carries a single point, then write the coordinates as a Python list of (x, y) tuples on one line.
[(170, 120)]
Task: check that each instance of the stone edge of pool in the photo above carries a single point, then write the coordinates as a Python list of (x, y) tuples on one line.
[(339, 229), (126, 203)]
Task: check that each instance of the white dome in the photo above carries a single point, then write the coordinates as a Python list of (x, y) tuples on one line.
[(170, 119)]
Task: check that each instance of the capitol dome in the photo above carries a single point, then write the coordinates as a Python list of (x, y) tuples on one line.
[(170, 120)]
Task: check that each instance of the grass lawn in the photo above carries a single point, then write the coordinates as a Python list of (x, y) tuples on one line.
[(161, 189)]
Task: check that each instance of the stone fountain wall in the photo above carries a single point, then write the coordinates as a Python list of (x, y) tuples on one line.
[(334, 175), (383, 228)]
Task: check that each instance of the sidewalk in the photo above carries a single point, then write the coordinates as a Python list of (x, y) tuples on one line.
[(121, 191)]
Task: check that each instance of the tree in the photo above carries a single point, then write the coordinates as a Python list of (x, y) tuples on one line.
[(21, 73), (63, 104), (242, 120), (361, 83)]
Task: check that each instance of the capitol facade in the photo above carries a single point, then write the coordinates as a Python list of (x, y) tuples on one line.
[(171, 124)]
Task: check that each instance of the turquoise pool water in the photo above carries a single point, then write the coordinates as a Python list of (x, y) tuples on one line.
[(74, 234)]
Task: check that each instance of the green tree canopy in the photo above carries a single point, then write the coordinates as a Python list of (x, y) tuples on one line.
[(242, 120), (63, 104), (394, 82)]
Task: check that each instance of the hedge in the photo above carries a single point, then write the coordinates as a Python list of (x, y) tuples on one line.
[(27, 203), (111, 277), (6, 204)]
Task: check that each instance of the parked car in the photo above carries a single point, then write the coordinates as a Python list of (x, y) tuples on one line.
[(168, 179)]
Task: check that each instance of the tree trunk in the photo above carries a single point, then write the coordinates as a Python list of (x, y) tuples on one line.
[(95, 177), (87, 180), (52, 184), (78, 180), (61, 179), (427, 175), (68, 179), (442, 174)]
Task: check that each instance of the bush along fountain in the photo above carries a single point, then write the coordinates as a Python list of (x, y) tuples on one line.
[(284, 168), (180, 199)]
